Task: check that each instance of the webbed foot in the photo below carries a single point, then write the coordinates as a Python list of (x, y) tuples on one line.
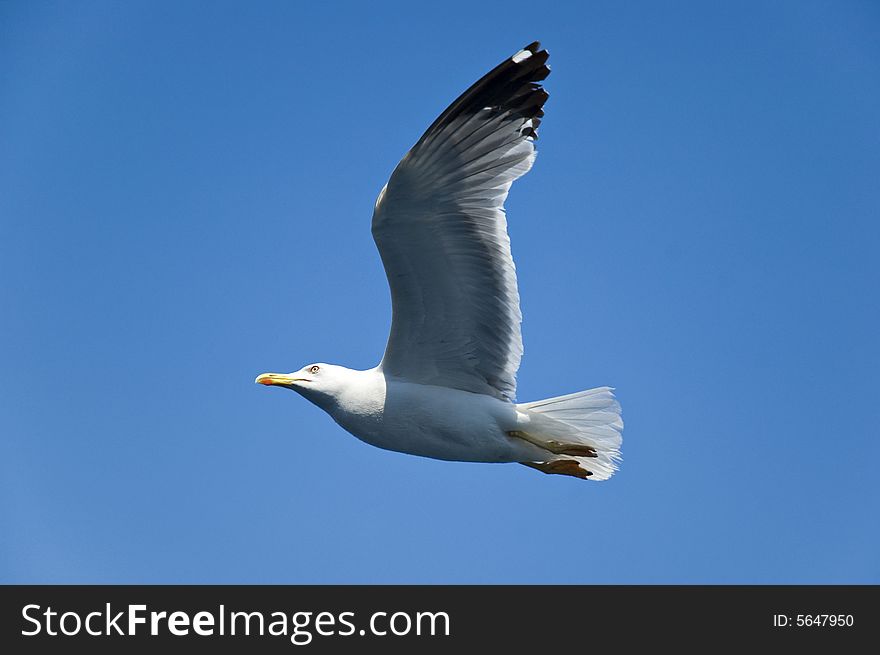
[(560, 467), (555, 447)]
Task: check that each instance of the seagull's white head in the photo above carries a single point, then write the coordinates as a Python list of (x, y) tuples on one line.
[(319, 383)]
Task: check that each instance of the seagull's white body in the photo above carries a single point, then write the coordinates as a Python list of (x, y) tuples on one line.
[(425, 420), (445, 387)]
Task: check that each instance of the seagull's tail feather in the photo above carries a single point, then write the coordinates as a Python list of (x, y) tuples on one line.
[(588, 419)]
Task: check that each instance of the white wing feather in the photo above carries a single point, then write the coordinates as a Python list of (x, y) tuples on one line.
[(441, 230)]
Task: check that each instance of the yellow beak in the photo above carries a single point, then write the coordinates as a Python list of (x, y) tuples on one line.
[(276, 378)]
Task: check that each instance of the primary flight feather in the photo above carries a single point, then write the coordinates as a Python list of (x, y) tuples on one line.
[(446, 385)]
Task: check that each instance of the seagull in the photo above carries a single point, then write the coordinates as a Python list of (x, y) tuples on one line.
[(446, 385)]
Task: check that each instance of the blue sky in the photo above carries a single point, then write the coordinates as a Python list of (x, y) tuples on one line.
[(185, 196)]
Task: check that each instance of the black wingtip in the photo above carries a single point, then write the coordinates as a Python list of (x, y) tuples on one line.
[(513, 87), (531, 54)]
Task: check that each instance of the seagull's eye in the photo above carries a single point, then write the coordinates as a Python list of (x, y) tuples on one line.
[(314, 369)]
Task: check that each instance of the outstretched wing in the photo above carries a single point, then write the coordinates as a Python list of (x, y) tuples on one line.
[(440, 228)]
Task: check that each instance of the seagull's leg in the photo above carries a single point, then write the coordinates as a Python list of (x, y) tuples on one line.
[(555, 447), (560, 467)]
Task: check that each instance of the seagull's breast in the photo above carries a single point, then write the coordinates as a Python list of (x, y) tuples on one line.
[(430, 421)]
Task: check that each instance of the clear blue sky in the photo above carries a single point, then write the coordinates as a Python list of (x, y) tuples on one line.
[(185, 197)]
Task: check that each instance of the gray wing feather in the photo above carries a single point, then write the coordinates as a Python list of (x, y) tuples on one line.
[(441, 230)]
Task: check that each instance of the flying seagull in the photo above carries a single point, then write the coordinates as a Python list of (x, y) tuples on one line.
[(445, 387)]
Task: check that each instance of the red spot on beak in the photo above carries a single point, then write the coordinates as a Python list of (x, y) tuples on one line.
[(267, 381)]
